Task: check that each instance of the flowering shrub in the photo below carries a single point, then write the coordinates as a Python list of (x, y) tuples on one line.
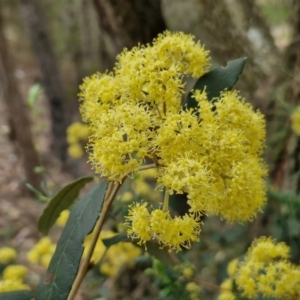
[(207, 147)]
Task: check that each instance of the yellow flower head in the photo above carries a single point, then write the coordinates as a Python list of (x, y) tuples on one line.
[(77, 131), (123, 108), (7, 254), (41, 252), (232, 267), (75, 150), (138, 221), (120, 144), (117, 256), (266, 270), (173, 233), (8, 285), (15, 272)]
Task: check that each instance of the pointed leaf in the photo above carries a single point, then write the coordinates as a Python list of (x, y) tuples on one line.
[(218, 80), (17, 295), (63, 200), (122, 237), (57, 283)]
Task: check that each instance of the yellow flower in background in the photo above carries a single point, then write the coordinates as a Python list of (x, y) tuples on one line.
[(15, 272), (63, 218), (7, 254), (76, 133), (194, 290), (75, 150), (113, 258), (99, 248), (265, 270), (8, 285), (232, 267), (117, 256), (127, 196), (42, 252), (226, 295), (295, 118)]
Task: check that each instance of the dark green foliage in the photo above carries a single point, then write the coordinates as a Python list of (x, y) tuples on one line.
[(63, 200), (63, 267), (217, 80)]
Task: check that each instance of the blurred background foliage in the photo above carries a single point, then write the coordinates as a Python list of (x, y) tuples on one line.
[(47, 47)]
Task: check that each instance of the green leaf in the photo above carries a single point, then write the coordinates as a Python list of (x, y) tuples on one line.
[(159, 253), (57, 283), (122, 237), (218, 80), (63, 200), (33, 95), (17, 295)]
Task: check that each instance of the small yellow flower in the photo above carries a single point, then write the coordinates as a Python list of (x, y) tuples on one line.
[(127, 196), (8, 285), (75, 150), (7, 254), (194, 290), (117, 256), (232, 267), (15, 272), (138, 221), (41, 252)]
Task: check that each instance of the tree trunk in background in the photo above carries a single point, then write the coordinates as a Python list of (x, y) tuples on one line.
[(287, 167), (125, 23), (18, 117), (227, 38), (50, 72)]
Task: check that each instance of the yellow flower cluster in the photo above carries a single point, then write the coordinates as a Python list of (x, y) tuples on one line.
[(115, 257), (124, 108), (13, 277), (42, 252), (174, 232), (194, 290), (211, 152), (295, 118), (266, 271), (76, 133), (7, 254), (214, 156)]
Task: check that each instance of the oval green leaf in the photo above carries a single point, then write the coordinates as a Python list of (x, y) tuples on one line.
[(217, 80), (57, 283), (17, 295), (63, 200)]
